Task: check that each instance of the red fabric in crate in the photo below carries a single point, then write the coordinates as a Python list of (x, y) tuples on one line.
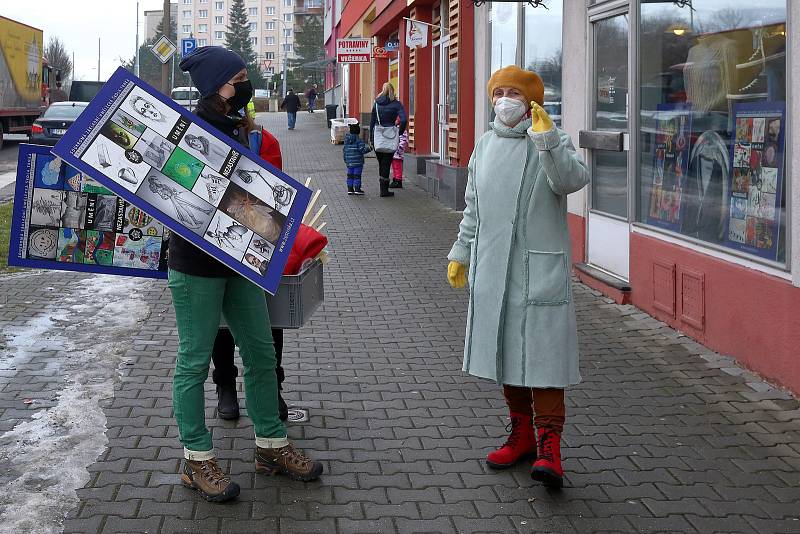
[(307, 244)]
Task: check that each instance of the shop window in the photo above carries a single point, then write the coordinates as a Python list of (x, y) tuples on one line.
[(542, 52), (503, 29), (713, 122)]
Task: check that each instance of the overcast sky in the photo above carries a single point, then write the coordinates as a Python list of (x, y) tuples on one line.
[(78, 23)]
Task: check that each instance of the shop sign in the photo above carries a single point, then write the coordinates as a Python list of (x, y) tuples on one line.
[(392, 46), (353, 50), (416, 34), (380, 52)]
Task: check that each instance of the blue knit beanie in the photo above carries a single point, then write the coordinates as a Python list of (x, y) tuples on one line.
[(210, 67)]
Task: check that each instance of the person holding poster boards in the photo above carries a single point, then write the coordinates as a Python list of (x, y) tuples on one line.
[(202, 289)]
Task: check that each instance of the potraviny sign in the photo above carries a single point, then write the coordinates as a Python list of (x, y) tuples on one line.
[(353, 50)]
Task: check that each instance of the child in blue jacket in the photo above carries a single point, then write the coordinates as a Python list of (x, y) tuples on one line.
[(354, 150)]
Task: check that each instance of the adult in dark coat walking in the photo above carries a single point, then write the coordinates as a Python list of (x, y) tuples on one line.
[(386, 111), (291, 103)]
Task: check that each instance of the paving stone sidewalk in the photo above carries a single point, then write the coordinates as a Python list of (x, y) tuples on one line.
[(662, 435)]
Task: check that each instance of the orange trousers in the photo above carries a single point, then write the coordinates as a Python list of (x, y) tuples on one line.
[(545, 405)]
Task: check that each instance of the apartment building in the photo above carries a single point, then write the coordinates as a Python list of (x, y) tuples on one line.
[(272, 25), (152, 18)]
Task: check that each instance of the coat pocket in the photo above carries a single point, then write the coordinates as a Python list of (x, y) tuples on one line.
[(547, 278)]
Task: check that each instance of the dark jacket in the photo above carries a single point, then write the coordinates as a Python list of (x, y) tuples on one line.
[(354, 150), (183, 255), (291, 102), (389, 111)]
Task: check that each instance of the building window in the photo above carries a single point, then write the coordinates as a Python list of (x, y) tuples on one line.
[(219, 20), (202, 13), (269, 55), (203, 28), (203, 1), (187, 14), (270, 11), (503, 28), (287, 17), (187, 1), (219, 6), (219, 35), (254, 41), (186, 28), (252, 11), (270, 40), (252, 26), (287, 32), (542, 52), (713, 122), (202, 42), (287, 3), (270, 70), (287, 47), (270, 25)]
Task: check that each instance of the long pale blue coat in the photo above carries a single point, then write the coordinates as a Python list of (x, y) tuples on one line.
[(521, 327)]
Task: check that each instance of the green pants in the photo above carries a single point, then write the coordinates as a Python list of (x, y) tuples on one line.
[(198, 302)]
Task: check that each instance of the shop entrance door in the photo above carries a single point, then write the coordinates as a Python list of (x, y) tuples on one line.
[(440, 116), (608, 222)]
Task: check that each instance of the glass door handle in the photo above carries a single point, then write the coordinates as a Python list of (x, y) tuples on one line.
[(602, 140)]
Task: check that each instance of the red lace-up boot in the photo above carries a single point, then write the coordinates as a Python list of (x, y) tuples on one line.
[(520, 444), (547, 467)]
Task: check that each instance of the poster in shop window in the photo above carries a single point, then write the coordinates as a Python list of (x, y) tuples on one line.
[(198, 182), (756, 178), (64, 220), (670, 165)]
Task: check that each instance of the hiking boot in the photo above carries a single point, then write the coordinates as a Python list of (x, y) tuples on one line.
[(283, 409), (209, 480), (357, 191), (547, 468), (396, 184), (521, 444), (287, 461), (228, 403)]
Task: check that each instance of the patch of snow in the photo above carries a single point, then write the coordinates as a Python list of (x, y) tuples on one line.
[(89, 328)]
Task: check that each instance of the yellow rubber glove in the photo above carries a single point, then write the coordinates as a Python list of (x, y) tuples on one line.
[(457, 274), (541, 120)]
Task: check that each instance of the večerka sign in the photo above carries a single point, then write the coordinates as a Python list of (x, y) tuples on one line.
[(353, 50)]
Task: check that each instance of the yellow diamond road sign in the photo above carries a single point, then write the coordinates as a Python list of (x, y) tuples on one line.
[(163, 49)]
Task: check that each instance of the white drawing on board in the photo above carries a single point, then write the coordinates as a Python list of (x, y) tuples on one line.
[(145, 108), (102, 156), (282, 194), (183, 208), (127, 174)]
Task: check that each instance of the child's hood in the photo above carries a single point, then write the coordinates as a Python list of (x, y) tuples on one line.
[(351, 139)]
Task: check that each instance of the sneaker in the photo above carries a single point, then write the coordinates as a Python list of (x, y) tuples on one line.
[(209, 480), (358, 191), (396, 184), (350, 190), (287, 461)]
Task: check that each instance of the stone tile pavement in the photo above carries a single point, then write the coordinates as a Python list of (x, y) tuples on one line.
[(662, 435)]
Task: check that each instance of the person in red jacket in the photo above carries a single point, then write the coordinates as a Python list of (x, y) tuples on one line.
[(225, 370)]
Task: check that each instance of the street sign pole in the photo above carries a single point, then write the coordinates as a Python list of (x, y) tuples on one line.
[(165, 30)]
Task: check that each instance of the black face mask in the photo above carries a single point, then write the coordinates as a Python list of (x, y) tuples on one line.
[(242, 95)]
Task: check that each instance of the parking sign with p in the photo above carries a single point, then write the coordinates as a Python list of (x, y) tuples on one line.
[(187, 46)]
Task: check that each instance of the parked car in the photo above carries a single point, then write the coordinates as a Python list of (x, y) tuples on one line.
[(53, 123), (186, 97), (84, 91)]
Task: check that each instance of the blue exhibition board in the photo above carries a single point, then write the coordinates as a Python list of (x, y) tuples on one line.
[(198, 182), (65, 220)]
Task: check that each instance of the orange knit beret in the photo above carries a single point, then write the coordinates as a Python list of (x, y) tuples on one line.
[(526, 82)]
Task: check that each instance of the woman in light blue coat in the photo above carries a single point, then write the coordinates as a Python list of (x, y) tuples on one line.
[(513, 246)]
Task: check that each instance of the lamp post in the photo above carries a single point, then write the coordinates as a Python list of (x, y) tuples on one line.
[(285, 53)]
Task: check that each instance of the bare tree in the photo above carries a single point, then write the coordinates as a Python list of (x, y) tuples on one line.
[(728, 18), (57, 57)]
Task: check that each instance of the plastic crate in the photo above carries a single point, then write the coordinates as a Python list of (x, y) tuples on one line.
[(297, 298), (340, 128)]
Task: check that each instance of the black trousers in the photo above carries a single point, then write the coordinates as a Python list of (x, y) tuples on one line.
[(384, 164), (225, 370)]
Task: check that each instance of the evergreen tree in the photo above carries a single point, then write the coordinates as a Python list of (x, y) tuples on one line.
[(237, 38), (308, 50)]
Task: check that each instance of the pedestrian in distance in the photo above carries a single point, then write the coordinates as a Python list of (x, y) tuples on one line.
[(385, 133), (203, 290), (397, 162), (311, 96), (354, 150), (521, 327), (291, 103)]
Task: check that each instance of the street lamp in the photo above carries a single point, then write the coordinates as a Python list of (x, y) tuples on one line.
[(285, 52)]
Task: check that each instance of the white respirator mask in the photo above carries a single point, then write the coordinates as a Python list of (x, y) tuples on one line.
[(510, 110)]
